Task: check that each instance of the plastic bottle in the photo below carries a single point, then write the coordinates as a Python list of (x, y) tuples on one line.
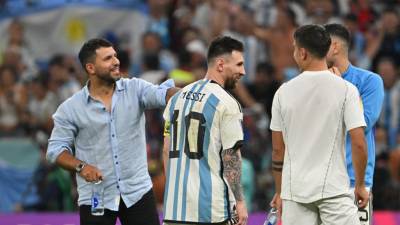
[(272, 217), (97, 208)]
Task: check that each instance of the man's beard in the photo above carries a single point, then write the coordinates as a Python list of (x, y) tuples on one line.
[(230, 83), (107, 78)]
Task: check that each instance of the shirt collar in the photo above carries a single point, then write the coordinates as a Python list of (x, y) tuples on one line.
[(348, 70), (119, 87)]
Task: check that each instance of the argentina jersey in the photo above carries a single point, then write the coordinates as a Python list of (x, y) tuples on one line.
[(203, 121)]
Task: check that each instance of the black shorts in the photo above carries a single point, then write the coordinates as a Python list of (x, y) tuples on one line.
[(143, 212)]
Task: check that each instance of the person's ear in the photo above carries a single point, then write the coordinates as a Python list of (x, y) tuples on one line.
[(303, 53), (90, 68), (220, 64)]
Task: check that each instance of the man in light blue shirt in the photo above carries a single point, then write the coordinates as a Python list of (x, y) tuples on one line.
[(370, 86), (99, 133)]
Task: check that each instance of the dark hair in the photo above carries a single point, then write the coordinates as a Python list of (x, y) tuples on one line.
[(314, 39), (266, 68), (338, 30), (56, 60), (223, 45), (151, 61), (88, 49)]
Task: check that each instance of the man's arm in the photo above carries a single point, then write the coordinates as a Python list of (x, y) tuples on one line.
[(59, 149), (278, 155), (359, 158), (69, 162), (372, 98), (170, 92), (166, 153), (232, 163)]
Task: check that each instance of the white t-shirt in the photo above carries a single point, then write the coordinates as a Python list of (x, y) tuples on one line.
[(313, 111), (204, 121)]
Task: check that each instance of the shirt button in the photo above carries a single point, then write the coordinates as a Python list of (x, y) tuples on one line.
[(115, 156), (116, 163), (113, 135), (119, 179), (104, 108), (118, 186)]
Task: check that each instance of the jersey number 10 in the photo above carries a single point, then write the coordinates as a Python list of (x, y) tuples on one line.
[(198, 153)]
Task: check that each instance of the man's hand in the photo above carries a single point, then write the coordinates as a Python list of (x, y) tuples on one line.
[(91, 173), (241, 212), (276, 203), (362, 196), (335, 71)]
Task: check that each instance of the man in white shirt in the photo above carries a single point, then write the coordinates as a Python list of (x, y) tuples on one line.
[(310, 116)]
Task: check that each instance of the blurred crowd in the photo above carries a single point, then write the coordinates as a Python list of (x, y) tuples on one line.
[(174, 46)]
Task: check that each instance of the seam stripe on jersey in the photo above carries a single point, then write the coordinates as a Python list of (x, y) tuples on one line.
[(205, 190), (180, 148), (340, 123), (187, 166), (171, 111)]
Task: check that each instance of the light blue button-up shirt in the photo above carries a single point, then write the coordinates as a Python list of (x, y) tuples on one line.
[(113, 141)]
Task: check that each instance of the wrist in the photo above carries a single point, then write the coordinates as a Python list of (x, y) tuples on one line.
[(79, 167)]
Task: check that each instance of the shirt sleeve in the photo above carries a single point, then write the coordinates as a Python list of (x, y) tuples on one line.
[(276, 118), (63, 134), (232, 127), (353, 109), (153, 96), (372, 98)]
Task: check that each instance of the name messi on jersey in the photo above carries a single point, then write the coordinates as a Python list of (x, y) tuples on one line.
[(194, 96)]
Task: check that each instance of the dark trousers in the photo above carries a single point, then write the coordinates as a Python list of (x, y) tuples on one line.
[(143, 212)]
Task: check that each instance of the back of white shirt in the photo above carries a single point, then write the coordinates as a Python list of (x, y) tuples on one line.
[(313, 111)]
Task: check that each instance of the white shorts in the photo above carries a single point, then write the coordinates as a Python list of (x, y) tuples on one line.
[(339, 210), (364, 214)]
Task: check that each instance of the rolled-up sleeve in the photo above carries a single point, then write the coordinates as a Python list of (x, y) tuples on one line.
[(62, 136), (153, 96)]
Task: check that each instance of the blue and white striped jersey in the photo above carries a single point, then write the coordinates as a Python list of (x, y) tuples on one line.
[(204, 120)]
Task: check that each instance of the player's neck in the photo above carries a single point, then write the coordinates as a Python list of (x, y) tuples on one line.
[(213, 75), (342, 63), (315, 65), (100, 89)]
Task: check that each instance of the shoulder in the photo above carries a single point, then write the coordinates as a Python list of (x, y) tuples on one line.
[(351, 88), (76, 99), (367, 75), (227, 100)]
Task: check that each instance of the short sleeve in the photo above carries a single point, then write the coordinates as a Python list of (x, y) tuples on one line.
[(232, 127), (353, 109), (276, 117)]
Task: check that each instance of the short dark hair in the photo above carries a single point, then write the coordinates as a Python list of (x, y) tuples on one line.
[(88, 49), (314, 39), (338, 30), (223, 45)]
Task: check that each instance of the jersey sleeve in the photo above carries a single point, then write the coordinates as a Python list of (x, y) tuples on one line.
[(353, 109), (232, 127), (372, 96)]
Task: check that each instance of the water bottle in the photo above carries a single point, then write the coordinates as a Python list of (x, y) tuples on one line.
[(97, 208), (272, 217)]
